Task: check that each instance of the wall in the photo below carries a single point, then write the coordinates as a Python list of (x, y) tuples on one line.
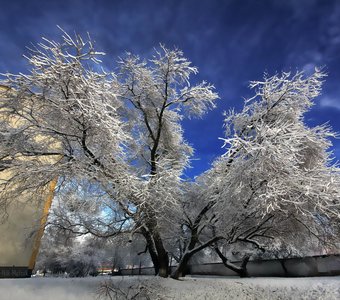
[(21, 231), (299, 267)]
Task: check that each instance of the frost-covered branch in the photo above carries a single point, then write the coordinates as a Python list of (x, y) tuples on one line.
[(115, 134)]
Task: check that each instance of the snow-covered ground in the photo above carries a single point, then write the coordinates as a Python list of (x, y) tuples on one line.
[(158, 288)]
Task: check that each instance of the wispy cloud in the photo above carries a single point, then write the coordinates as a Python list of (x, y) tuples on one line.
[(329, 102), (231, 42)]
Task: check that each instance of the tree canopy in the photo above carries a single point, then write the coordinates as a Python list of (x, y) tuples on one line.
[(115, 142)]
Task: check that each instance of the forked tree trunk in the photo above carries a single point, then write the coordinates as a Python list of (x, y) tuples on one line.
[(182, 267), (190, 252), (240, 270)]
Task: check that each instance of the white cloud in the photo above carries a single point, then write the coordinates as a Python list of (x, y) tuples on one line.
[(309, 68), (330, 102)]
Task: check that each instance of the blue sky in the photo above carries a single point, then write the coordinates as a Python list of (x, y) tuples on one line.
[(231, 42)]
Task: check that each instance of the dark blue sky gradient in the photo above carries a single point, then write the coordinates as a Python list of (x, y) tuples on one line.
[(231, 42)]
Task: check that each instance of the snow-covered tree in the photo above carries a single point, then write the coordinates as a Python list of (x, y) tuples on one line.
[(277, 174), (62, 252), (274, 161), (117, 137)]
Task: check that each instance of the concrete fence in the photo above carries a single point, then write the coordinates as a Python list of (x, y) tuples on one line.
[(298, 267), (14, 272)]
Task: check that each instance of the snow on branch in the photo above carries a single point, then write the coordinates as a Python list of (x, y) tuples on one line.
[(269, 145)]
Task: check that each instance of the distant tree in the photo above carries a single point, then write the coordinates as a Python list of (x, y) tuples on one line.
[(62, 252), (115, 137)]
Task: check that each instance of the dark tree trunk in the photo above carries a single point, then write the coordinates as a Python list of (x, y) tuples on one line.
[(163, 256), (241, 270), (190, 252), (163, 266), (182, 267), (158, 254), (152, 250), (283, 265)]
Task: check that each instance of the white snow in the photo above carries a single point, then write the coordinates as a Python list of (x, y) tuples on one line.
[(325, 288)]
